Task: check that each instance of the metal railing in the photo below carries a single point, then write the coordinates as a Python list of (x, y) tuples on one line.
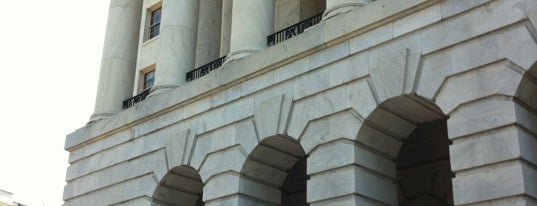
[(205, 69), (293, 30), (133, 100)]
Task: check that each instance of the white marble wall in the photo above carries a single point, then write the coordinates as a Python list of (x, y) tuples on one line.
[(287, 13), (147, 48), (209, 30), (323, 89)]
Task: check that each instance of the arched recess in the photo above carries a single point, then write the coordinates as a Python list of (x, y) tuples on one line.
[(181, 186), (526, 97), (276, 166), (527, 89), (412, 131)]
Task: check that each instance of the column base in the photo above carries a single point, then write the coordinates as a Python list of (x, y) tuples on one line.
[(99, 116), (156, 90), (240, 54), (340, 9)]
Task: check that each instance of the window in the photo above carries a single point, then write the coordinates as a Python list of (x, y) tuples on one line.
[(149, 79), (154, 24)]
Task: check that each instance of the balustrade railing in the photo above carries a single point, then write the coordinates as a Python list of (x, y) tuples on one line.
[(205, 69), (133, 100), (293, 30)]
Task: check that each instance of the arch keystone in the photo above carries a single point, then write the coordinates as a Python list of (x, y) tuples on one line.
[(271, 116), (178, 148), (395, 74)]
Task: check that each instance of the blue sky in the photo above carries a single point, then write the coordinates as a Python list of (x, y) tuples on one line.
[(50, 59)]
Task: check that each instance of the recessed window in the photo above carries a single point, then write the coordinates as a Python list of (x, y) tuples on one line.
[(149, 79), (154, 24)]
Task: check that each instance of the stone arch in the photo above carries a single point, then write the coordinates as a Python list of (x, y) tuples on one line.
[(275, 173), (180, 186), (489, 108), (411, 131)]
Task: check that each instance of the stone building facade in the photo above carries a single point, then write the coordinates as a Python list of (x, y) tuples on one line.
[(386, 102)]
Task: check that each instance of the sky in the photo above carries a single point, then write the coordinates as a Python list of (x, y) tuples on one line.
[(50, 60)]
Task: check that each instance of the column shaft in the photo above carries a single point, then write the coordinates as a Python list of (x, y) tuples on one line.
[(336, 7), (177, 44), (118, 63), (253, 21)]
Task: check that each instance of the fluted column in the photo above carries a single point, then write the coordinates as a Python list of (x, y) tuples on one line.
[(252, 22), (177, 52), (118, 62), (336, 7)]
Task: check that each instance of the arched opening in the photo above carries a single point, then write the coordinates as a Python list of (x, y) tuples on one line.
[(423, 174), (527, 89), (277, 163), (180, 186), (423, 168), (294, 186)]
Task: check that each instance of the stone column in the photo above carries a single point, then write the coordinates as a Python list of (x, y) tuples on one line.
[(253, 21), (177, 44), (336, 7), (225, 34), (118, 62), (209, 27)]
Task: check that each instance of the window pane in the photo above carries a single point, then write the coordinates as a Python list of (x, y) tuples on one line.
[(149, 84), (155, 31), (154, 25), (149, 79), (155, 16)]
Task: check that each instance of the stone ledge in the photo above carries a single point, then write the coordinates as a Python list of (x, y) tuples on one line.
[(117, 174), (132, 189)]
